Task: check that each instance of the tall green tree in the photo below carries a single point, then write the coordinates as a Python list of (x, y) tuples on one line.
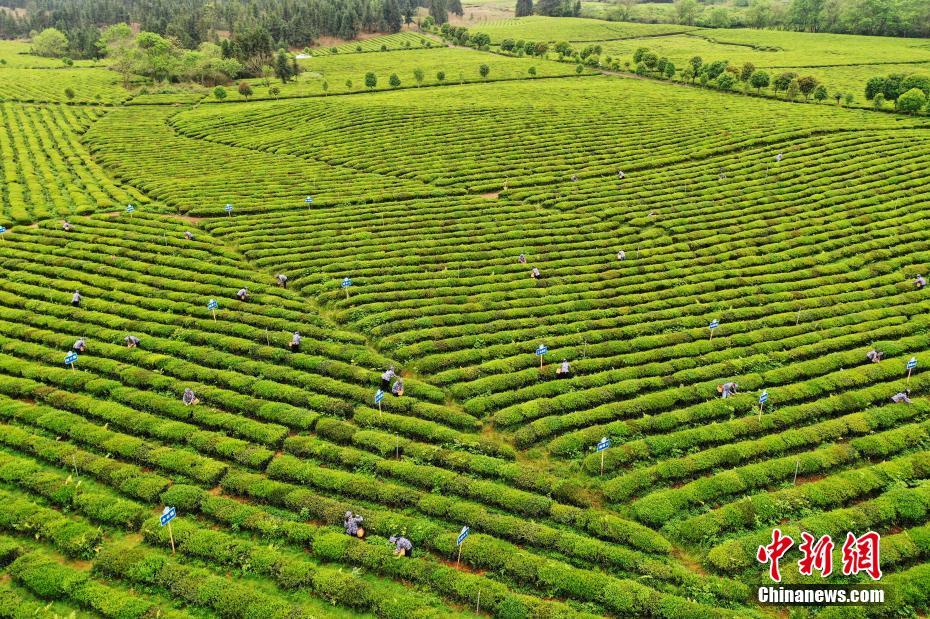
[(439, 11), (391, 16), (51, 42), (524, 8)]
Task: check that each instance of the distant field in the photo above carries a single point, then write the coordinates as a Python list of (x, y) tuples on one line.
[(16, 54), (776, 49), (90, 85), (459, 65), (538, 28), (390, 42)]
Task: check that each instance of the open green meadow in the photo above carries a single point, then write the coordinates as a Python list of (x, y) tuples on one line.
[(539, 28), (650, 208)]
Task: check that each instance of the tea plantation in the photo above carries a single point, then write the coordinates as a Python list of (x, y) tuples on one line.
[(407, 220)]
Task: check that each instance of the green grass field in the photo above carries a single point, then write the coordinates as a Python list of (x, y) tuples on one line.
[(799, 227), (458, 66), (544, 29)]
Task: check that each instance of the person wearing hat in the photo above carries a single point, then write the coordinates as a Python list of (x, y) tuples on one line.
[(564, 370), (282, 279), (79, 345), (189, 398), (131, 341), (243, 294), (76, 298), (352, 524), (403, 547), (295, 341), (874, 356), (535, 273), (726, 389), (920, 282), (902, 397), (387, 377)]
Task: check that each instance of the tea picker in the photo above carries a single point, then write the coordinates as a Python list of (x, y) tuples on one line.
[(920, 282), (620, 174), (131, 341), (282, 280), (727, 389), (188, 235), (386, 378), (874, 356), (295, 342), (621, 255), (352, 523), (522, 259), (243, 294), (574, 177), (76, 298), (398, 387), (403, 547), (535, 273), (189, 398), (564, 370), (902, 397), (80, 345), (66, 226)]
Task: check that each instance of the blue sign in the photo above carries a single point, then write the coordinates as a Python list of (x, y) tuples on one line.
[(346, 283), (462, 536), (71, 357), (130, 209), (912, 363), (212, 304), (2, 229), (308, 200), (763, 397), (714, 323), (379, 395), (229, 208), (167, 515), (603, 444), (542, 350)]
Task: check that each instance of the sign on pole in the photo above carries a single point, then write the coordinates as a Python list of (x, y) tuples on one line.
[(129, 209), (465, 532), (713, 325), (308, 200), (346, 282), (71, 358), (228, 208), (541, 350), (602, 446), (379, 395), (167, 515), (763, 398), (212, 305), (911, 364), (2, 230)]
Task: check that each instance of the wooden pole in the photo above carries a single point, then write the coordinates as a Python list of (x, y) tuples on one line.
[(602, 463), (541, 361), (379, 409), (907, 383), (798, 319), (171, 536), (397, 445), (214, 315), (478, 605), (347, 293), (72, 366), (797, 466), (711, 335), (459, 559), (267, 341), (760, 411)]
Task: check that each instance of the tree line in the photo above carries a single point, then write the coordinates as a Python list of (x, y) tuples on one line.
[(905, 18), (289, 23)]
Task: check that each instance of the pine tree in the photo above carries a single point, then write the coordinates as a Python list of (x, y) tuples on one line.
[(391, 16), (524, 8), (438, 10), (455, 6)]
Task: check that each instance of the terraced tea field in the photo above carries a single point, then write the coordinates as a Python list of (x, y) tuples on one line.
[(798, 229)]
